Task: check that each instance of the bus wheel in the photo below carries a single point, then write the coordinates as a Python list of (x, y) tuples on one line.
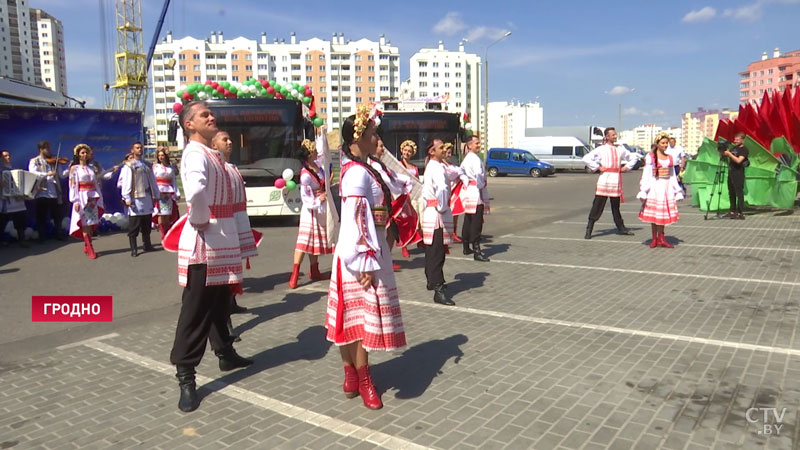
[(493, 171)]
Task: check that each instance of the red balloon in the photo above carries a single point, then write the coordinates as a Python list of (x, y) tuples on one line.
[(214, 84), (264, 84), (177, 107), (220, 89), (308, 92), (207, 83), (187, 96), (270, 89)]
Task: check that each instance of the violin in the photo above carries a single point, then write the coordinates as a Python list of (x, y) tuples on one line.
[(61, 160)]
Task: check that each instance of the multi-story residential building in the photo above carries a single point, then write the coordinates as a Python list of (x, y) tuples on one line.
[(778, 73), (50, 50), (508, 121), (19, 47), (641, 136), (438, 72), (342, 73), (700, 124)]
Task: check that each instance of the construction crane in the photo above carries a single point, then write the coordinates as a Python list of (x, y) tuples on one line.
[(130, 63)]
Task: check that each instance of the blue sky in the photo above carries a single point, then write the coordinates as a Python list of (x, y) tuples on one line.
[(578, 59)]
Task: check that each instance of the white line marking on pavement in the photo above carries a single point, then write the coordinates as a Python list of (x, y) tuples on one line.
[(304, 415), (589, 326), (788, 230), (627, 331), (87, 341), (642, 272), (725, 247)]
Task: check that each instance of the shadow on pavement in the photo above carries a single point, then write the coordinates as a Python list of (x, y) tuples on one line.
[(466, 281), (268, 283), (292, 303), (310, 345), (495, 249), (411, 373)]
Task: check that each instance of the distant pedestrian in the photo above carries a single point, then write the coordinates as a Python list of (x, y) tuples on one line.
[(608, 159), (659, 191)]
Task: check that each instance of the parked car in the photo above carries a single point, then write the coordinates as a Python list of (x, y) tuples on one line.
[(563, 152), (502, 161)]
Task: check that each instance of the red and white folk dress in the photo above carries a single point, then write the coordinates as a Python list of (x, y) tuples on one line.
[(84, 190), (660, 189), (312, 236), (168, 188), (370, 315)]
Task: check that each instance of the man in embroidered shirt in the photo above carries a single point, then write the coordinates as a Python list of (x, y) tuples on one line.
[(608, 159), (140, 194), (48, 199)]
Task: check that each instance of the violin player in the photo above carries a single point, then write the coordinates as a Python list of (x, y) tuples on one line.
[(48, 198)]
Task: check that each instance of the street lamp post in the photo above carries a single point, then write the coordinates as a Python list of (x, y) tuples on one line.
[(486, 91), (619, 112)]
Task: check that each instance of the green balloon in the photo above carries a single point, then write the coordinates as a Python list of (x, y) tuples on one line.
[(291, 185), (192, 88), (318, 122), (179, 94), (307, 100), (272, 83), (268, 95), (225, 84)]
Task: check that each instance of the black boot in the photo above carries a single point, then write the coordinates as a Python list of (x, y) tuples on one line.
[(148, 247), (440, 296), (622, 231), (229, 359), (589, 229), (236, 308), (467, 250), (188, 401), (477, 254), (234, 336), (134, 246)]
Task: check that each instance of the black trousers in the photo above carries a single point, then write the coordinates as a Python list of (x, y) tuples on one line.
[(473, 226), (736, 189), (139, 223), (48, 207), (599, 204), (434, 260), (18, 219), (202, 308), (216, 338)]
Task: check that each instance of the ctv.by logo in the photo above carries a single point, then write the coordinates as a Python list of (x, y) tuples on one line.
[(762, 416)]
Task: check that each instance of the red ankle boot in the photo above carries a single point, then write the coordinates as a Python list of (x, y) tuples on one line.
[(163, 230), (350, 386), (655, 241), (295, 276), (367, 390), (315, 274), (663, 241), (87, 240), (405, 253)]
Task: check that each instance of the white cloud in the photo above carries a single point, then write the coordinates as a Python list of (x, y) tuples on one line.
[(746, 13), (488, 33), (700, 15), (631, 111), (450, 24), (634, 111), (619, 90)]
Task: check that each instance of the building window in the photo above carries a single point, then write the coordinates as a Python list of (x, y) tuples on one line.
[(435, 64), (458, 65), (182, 68), (183, 78), (295, 56), (309, 79), (371, 79), (358, 57), (196, 57), (197, 67), (423, 64), (235, 67), (322, 79), (248, 57), (181, 56), (358, 68), (322, 57), (435, 74), (423, 74), (295, 66), (423, 93), (423, 84), (371, 58), (447, 64), (197, 78), (235, 78), (234, 57), (358, 78), (262, 56), (262, 67)]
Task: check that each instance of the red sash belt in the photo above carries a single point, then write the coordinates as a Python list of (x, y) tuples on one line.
[(613, 170), (473, 182), (164, 181), (433, 203), (85, 186)]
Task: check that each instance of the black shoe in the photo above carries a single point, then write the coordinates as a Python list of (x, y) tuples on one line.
[(236, 309), (478, 255), (739, 216), (229, 360), (467, 250), (134, 246), (588, 234), (188, 401), (148, 247), (624, 232), (440, 297)]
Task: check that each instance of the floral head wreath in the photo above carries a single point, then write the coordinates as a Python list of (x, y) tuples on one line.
[(364, 115), (448, 146), (660, 136), (308, 145), (79, 147), (409, 143)]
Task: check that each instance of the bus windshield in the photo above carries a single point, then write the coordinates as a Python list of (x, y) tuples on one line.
[(422, 128), (265, 133)]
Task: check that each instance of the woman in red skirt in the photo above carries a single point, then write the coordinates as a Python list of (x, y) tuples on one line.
[(659, 191), (312, 237)]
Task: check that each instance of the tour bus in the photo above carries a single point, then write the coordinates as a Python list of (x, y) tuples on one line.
[(421, 127), (563, 152), (266, 133)]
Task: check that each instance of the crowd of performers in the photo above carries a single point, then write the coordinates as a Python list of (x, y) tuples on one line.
[(659, 189)]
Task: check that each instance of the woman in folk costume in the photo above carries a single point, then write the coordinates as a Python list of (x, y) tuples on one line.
[(312, 236), (166, 211), (84, 193), (363, 307), (659, 190), (399, 184), (408, 149), (437, 220), (456, 188)]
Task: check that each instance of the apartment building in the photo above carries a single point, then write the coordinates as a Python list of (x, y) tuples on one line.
[(509, 120), (777, 73), (701, 124), (50, 50), (19, 46), (341, 72)]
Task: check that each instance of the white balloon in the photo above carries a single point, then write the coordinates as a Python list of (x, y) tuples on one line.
[(288, 174), (117, 214), (65, 224), (31, 234), (9, 227), (468, 125), (107, 216)]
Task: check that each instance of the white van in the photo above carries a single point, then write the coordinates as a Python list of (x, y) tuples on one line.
[(563, 152)]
